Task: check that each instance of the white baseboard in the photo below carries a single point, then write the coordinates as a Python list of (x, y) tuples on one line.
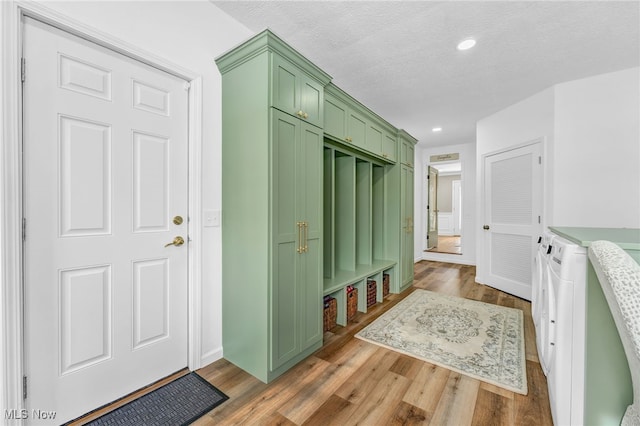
[(210, 357), (448, 258)]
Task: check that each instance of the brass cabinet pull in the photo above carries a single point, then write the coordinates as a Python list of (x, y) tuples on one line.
[(305, 115), (348, 139), (409, 226), (303, 237), (299, 224)]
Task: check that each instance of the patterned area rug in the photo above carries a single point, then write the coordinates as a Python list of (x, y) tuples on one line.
[(179, 402), (480, 340)]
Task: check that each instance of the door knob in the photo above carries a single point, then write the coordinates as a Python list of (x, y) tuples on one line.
[(177, 241), (485, 227)]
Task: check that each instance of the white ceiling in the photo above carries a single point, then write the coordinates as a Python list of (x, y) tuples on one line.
[(399, 57)]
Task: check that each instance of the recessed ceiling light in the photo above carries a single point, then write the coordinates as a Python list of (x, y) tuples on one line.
[(467, 43), (436, 129)]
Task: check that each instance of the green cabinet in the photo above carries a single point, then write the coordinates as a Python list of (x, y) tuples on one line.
[(375, 136), (406, 236), (313, 199), (406, 152), (407, 143), (343, 122), (351, 123), (295, 93), (272, 147), (297, 226), (390, 146)]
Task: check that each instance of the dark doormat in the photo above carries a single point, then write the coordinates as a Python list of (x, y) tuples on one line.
[(179, 402)]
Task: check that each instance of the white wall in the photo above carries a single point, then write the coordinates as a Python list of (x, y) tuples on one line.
[(191, 34), (467, 153), (597, 151), (591, 150)]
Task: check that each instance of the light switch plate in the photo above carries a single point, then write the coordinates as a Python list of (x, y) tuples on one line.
[(211, 218)]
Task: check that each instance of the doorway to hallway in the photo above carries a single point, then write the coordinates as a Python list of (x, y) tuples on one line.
[(449, 244)]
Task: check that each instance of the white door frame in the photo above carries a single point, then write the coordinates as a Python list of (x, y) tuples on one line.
[(11, 187), (456, 188), (482, 261)]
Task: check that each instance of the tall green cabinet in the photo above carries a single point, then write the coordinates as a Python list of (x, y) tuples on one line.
[(272, 147), (406, 145), (317, 192)]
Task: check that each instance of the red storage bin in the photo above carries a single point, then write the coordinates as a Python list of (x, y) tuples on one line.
[(330, 313), (385, 285), (352, 302), (371, 292)]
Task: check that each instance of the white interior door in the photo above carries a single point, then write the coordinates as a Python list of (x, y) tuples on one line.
[(432, 207), (105, 174), (513, 209)]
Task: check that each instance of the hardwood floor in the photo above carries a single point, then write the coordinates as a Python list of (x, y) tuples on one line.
[(449, 244), (349, 381)]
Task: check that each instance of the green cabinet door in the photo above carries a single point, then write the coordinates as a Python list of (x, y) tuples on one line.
[(407, 153), (284, 318), (296, 93), (356, 129), (311, 100), (406, 216), (297, 214), (309, 203), (389, 147), (344, 122), (335, 117), (374, 139)]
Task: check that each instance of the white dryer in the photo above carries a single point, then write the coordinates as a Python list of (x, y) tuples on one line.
[(540, 295), (563, 330)]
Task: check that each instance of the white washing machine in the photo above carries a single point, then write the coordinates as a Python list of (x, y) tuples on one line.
[(562, 324), (539, 296)]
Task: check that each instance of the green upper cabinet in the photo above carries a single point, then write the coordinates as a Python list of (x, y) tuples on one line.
[(295, 93), (356, 129), (342, 121), (335, 117), (375, 136), (390, 146), (351, 123), (407, 152)]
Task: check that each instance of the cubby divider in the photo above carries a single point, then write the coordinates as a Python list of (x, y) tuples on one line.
[(345, 211), (377, 212), (363, 213), (328, 213)]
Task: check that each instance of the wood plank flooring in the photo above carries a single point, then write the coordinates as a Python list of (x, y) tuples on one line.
[(449, 244), (352, 382)]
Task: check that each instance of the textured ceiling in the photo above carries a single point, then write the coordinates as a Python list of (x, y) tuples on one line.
[(399, 57)]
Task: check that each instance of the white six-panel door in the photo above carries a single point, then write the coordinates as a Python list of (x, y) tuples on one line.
[(105, 175)]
